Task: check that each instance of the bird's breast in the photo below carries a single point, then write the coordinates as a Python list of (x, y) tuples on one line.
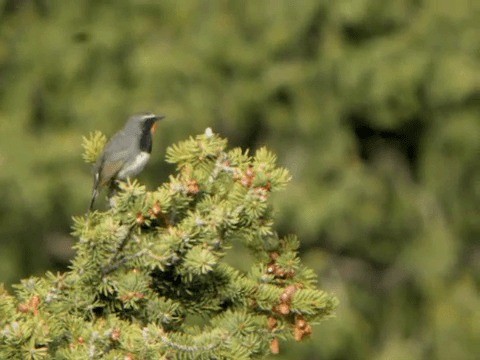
[(134, 166)]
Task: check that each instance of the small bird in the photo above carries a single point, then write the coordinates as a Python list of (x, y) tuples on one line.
[(126, 153)]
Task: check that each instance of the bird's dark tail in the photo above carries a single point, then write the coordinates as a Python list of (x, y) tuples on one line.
[(94, 196)]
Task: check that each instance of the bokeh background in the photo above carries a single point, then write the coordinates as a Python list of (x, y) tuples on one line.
[(374, 106)]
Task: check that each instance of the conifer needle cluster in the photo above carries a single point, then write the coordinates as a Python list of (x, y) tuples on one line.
[(149, 279)]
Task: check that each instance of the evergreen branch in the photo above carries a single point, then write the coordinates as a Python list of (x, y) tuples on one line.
[(93, 146), (191, 348), (177, 236), (115, 265)]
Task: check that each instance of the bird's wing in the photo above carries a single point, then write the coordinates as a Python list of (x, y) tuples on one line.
[(113, 158), (109, 170)]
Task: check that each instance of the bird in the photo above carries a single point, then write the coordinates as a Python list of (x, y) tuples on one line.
[(126, 153)]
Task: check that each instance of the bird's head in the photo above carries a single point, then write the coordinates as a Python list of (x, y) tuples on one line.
[(142, 123)]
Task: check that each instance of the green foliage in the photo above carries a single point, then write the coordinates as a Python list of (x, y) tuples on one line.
[(154, 260), (93, 146)]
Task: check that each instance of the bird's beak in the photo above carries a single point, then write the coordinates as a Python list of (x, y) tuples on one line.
[(154, 126)]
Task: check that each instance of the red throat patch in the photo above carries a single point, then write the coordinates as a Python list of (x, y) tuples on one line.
[(154, 128)]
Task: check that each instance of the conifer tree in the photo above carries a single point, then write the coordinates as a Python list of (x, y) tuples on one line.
[(149, 279)]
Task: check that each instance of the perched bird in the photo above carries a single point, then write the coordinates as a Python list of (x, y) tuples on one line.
[(126, 153)]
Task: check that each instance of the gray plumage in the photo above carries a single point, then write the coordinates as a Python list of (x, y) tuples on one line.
[(125, 154)]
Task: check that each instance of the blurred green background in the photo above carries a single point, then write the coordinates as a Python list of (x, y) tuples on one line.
[(374, 106)]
